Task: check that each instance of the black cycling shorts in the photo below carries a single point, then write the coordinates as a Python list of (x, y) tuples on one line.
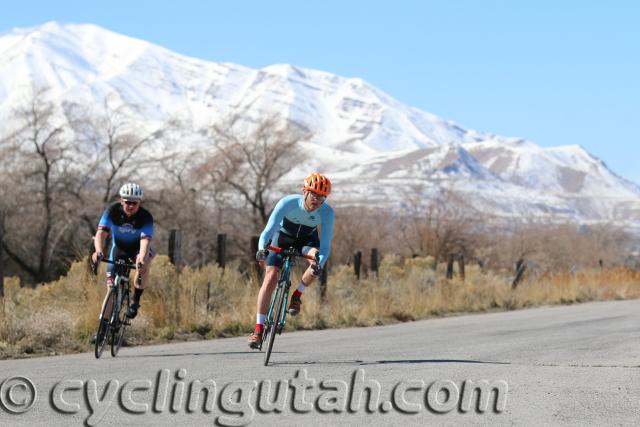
[(130, 257), (282, 240)]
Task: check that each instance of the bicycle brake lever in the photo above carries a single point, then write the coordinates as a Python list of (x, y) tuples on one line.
[(94, 265)]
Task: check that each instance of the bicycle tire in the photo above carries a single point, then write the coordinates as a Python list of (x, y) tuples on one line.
[(104, 327), (121, 322), (277, 313), (268, 324)]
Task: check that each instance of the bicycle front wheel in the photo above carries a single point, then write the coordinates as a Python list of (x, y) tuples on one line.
[(121, 324), (274, 322), (104, 327)]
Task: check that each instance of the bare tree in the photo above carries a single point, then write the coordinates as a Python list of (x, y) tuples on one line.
[(249, 158), (117, 138), (190, 204), (37, 149)]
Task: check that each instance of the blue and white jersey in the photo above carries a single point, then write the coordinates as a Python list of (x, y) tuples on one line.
[(126, 232), (290, 217)]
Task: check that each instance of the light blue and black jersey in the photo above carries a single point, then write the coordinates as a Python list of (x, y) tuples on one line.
[(126, 231), (290, 218)]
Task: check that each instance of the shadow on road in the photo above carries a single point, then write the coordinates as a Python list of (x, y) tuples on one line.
[(211, 353), (380, 362), (317, 362), (415, 361)]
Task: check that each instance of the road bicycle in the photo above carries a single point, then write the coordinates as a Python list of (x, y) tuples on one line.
[(277, 314), (111, 327)]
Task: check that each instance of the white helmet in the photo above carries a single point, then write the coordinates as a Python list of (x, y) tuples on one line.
[(131, 191)]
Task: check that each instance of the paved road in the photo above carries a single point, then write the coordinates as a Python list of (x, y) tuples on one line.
[(571, 365)]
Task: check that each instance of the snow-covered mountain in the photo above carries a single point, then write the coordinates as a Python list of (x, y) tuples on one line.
[(360, 135)]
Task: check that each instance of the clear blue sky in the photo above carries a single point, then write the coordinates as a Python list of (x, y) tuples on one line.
[(555, 72)]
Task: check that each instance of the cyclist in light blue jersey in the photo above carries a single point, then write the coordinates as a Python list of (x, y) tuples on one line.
[(294, 223)]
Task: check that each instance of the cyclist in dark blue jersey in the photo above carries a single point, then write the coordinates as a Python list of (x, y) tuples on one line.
[(294, 222), (131, 229)]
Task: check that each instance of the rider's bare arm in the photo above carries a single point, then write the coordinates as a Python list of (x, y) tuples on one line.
[(98, 243), (144, 250)]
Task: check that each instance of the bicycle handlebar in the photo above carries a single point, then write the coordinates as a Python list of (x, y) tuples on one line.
[(278, 250), (94, 266), (131, 266)]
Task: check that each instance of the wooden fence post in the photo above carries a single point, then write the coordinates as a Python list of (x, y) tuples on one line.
[(520, 268), (357, 262), (254, 244), (323, 282), (222, 250), (450, 259), (1, 258), (374, 261), (175, 248), (461, 266), (254, 248)]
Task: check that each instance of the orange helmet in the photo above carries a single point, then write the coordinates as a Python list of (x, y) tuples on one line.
[(318, 184)]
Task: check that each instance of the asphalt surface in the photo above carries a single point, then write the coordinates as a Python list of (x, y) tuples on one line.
[(568, 365)]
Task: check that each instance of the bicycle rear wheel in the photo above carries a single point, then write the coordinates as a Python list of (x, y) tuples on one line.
[(104, 327), (273, 323), (121, 322)]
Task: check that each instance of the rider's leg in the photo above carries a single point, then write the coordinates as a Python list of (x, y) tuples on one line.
[(140, 287), (307, 276), (273, 264), (144, 271), (264, 296), (109, 284), (307, 279), (262, 306), (107, 305)]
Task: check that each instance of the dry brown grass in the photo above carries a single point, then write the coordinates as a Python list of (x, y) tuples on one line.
[(209, 302)]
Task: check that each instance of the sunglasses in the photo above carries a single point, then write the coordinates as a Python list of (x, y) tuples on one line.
[(131, 202), (317, 196)]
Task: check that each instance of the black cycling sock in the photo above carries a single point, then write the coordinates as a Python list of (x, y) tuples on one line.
[(137, 293)]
